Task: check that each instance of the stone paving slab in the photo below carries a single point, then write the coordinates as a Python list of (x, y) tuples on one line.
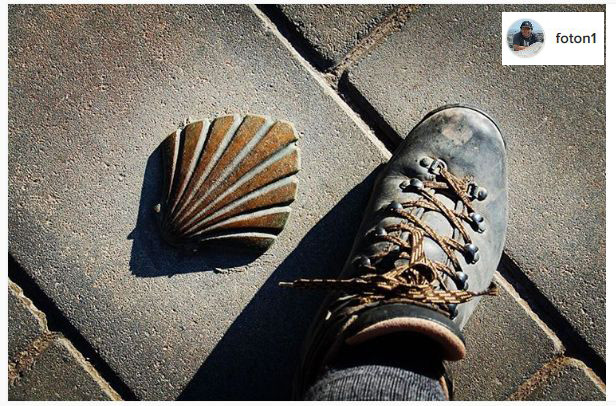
[(505, 347), (553, 118), (334, 29), (23, 325), (93, 90), (571, 381), (57, 375), (42, 365)]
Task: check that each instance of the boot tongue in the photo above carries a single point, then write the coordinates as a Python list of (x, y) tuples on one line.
[(441, 225)]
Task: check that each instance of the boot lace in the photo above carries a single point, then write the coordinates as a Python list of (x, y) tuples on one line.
[(419, 280)]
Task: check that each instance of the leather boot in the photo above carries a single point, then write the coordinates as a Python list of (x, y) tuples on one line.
[(428, 246)]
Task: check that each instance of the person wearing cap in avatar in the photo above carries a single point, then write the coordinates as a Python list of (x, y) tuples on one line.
[(525, 37)]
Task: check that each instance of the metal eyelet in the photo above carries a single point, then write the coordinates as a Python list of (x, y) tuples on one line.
[(478, 222), (413, 183), (461, 280), (416, 184), (476, 217), (471, 252), (394, 206), (436, 166), (363, 261), (476, 192), (481, 227), (380, 231), (425, 161), (482, 193), (453, 310)]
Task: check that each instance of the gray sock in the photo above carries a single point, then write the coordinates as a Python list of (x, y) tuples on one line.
[(398, 366), (374, 382)]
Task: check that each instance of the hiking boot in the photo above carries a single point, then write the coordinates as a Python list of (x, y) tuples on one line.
[(427, 249)]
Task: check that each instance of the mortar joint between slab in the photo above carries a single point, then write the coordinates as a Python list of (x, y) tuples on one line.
[(559, 348), (549, 317), (550, 369), (38, 315), (364, 109), (336, 77), (89, 368), (391, 23), (325, 83), (287, 29), (58, 326), (26, 358)]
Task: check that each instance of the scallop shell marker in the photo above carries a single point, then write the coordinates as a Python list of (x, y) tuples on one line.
[(228, 181)]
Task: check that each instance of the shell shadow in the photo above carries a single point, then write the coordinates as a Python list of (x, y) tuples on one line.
[(151, 256), (257, 356)]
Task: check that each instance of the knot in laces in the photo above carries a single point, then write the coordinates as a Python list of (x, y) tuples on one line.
[(402, 272)]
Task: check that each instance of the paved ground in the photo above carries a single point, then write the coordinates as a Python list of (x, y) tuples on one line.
[(93, 90), (43, 365)]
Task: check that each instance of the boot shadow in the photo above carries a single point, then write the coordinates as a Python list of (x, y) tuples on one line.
[(259, 353)]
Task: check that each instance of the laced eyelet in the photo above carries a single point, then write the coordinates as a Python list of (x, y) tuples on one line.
[(394, 206), (471, 252), (476, 217), (476, 192), (425, 161), (380, 231), (477, 222), (453, 310), (482, 193), (363, 261), (416, 184), (461, 280), (436, 166)]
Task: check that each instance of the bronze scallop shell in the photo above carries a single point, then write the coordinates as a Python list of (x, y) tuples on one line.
[(229, 181)]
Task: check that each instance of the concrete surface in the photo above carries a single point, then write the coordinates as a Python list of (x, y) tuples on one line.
[(93, 91), (505, 347), (554, 121), (57, 375), (334, 29), (570, 381), (44, 365), (23, 325)]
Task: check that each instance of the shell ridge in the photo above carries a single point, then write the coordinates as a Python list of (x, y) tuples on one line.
[(203, 135), (224, 143), (275, 157), (251, 240), (179, 164), (256, 193), (244, 234), (260, 212), (174, 164), (260, 189), (243, 174), (217, 131), (171, 166), (258, 136)]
